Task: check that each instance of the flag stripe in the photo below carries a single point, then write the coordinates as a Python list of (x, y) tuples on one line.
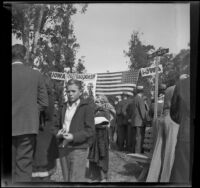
[(109, 78), (109, 81), (107, 84), (114, 89), (115, 86), (113, 93), (109, 73)]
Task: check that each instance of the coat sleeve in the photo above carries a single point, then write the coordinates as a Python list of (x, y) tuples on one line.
[(49, 111), (175, 102), (141, 108), (129, 110), (42, 97), (89, 128), (118, 108), (124, 107)]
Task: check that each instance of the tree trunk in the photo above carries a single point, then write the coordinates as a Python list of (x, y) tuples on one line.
[(25, 35), (25, 39), (37, 30)]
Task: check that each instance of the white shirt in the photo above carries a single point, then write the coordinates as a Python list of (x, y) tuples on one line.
[(69, 114)]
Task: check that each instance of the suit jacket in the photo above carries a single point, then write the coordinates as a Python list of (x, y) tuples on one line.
[(121, 112), (82, 124), (139, 111), (28, 94)]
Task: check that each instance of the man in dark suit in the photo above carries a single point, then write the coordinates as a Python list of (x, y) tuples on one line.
[(131, 130), (122, 122), (29, 94), (180, 113), (137, 119)]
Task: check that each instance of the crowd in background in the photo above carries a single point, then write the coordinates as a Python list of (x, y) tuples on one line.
[(81, 131)]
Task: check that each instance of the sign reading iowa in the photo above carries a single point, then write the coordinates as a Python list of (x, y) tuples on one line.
[(58, 76), (151, 70)]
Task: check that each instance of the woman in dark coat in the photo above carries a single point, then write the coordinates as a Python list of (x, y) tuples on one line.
[(99, 151), (46, 150)]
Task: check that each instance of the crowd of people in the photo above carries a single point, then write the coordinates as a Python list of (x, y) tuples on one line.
[(80, 132)]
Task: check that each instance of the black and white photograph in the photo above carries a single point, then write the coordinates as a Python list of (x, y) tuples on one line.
[(100, 93)]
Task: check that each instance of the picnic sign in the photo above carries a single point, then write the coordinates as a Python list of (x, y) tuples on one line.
[(148, 71), (66, 77), (89, 81)]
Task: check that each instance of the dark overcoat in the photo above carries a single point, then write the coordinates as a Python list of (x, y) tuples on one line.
[(46, 150), (82, 124), (28, 93)]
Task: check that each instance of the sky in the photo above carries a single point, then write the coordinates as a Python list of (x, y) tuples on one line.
[(104, 31)]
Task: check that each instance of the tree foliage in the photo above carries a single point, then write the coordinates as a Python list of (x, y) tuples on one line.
[(173, 66), (138, 52), (48, 32)]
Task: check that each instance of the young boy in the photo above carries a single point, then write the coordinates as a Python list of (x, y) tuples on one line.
[(76, 133)]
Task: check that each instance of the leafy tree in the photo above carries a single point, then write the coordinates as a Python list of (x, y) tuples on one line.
[(138, 55), (47, 31), (173, 66), (26, 23), (138, 52)]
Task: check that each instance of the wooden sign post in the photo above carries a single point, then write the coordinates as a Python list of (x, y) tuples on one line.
[(156, 55)]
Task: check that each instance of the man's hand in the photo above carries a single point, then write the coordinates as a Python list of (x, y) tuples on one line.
[(68, 136), (60, 133)]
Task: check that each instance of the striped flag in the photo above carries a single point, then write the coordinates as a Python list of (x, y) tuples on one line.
[(116, 83)]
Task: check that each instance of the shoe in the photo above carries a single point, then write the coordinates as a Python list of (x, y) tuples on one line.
[(104, 180)]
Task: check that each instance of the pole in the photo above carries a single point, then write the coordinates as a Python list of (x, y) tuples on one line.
[(155, 120), (156, 90)]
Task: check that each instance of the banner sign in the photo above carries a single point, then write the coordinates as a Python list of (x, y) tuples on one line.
[(58, 76), (82, 77), (151, 70)]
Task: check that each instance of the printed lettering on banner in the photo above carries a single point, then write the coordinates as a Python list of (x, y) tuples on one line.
[(58, 76)]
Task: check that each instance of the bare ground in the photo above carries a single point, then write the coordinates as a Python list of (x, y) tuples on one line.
[(122, 168)]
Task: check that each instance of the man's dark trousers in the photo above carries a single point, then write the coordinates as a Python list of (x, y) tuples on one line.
[(131, 138), (139, 138), (22, 156), (122, 136)]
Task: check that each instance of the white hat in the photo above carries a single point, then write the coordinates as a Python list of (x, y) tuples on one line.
[(140, 87)]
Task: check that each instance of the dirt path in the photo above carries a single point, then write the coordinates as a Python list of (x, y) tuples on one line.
[(122, 168)]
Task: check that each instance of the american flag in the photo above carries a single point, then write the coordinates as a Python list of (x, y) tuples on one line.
[(116, 83)]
